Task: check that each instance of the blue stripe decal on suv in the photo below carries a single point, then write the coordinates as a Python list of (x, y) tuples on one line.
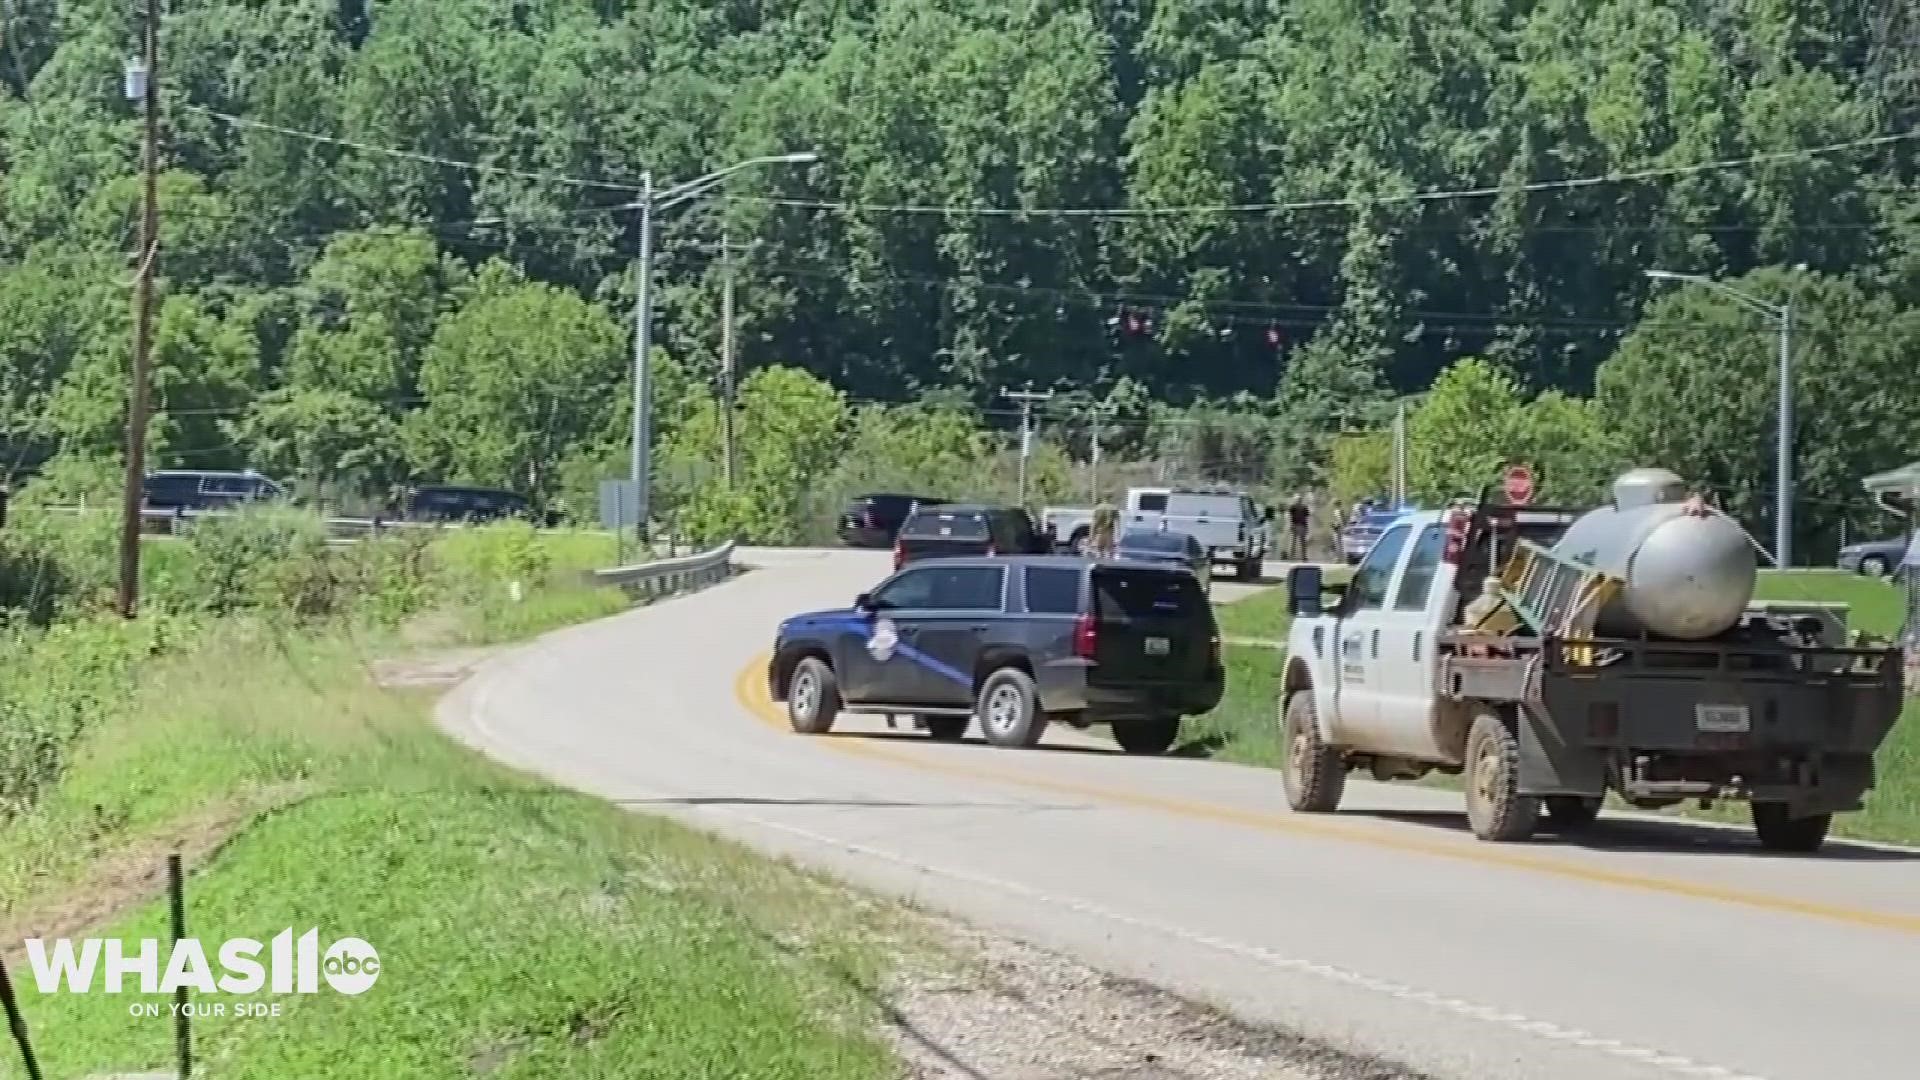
[(861, 628)]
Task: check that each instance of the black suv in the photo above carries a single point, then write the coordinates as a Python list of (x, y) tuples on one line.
[(933, 532), (206, 489), (874, 520), (452, 502), (1019, 642)]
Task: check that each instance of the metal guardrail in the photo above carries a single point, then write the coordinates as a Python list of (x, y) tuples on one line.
[(342, 530), (664, 577)]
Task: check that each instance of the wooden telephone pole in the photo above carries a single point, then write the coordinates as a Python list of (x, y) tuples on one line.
[(143, 82)]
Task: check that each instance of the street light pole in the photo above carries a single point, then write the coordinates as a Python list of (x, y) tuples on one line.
[(642, 463), (1783, 432), (1783, 449), (651, 202)]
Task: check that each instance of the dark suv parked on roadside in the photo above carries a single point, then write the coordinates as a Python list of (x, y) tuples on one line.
[(1019, 642), (874, 520), (933, 532)]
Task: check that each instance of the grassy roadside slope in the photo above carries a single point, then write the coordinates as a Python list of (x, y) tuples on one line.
[(1244, 728), (523, 930)]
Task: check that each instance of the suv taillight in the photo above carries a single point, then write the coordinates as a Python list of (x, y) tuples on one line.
[(899, 554), (1086, 637), (1213, 650)]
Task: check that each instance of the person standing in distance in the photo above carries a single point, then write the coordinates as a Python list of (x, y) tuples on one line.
[(1299, 514), (1100, 537)]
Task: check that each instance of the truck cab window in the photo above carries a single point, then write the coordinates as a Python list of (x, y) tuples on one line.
[(1155, 503), (1368, 591), (1417, 581)]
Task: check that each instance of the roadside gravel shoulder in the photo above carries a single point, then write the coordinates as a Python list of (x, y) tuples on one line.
[(990, 1008)]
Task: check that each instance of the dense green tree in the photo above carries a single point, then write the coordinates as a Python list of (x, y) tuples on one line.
[(410, 222)]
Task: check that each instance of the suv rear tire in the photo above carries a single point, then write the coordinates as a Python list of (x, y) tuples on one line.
[(1154, 735), (813, 697), (1009, 707), (947, 728), (1313, 773)]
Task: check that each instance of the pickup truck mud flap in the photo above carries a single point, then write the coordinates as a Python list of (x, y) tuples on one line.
[(1551, 763)]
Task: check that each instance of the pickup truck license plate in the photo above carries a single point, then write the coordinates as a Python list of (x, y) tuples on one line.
[(1157, 646), (1722, 718)]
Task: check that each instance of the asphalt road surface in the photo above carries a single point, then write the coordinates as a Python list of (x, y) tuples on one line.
[(1645, 950)]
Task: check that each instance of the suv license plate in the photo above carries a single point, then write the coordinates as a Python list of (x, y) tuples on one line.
[(1722, 718), (1157, 646)]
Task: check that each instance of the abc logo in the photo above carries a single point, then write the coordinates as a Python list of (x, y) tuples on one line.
[(351, 966)]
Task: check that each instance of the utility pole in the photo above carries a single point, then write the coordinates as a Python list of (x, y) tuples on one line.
[(1101, 415), (143, 83), (1399, 467), (1027, 399), (729, 463)]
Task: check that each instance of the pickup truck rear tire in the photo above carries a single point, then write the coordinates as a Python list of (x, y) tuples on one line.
[(813, 697), (1571, 813), (1147, 737), (1009, 708), (1778, 832), (1495, 808), (1313, 773)]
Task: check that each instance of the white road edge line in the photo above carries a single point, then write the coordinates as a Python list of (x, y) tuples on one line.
[(1673, 1063), (1678, 1065)]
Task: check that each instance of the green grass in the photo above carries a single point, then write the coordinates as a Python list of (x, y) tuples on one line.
[(523, 931), (1243, 728)]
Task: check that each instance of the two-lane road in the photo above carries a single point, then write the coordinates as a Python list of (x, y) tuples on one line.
[(1646, 950)]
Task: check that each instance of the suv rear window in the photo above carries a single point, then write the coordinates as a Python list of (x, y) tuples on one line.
[(1140, 594), (953, 526), (1053, 590)]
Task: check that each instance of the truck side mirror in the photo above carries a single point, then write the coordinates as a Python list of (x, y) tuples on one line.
[(1306, 593)]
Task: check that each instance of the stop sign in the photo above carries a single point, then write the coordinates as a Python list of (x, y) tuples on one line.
[(1518, 485)]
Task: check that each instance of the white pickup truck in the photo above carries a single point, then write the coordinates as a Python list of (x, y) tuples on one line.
[(1228, 524), (1412, 669)]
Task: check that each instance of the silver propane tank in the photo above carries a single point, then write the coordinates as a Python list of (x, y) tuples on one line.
[(1689, 575)]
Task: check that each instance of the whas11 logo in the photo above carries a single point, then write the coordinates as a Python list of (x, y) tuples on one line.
[(293, 965)]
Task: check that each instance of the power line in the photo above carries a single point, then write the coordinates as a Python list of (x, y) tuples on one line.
[(1116, 213), (1440, 195), (630, 187)]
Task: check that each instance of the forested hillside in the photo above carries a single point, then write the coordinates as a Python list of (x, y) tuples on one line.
[(1274, 215)]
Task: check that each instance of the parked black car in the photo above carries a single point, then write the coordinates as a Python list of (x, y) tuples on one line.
[(874, 520), (1019, 642), (1167, 547), (933, 532)]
